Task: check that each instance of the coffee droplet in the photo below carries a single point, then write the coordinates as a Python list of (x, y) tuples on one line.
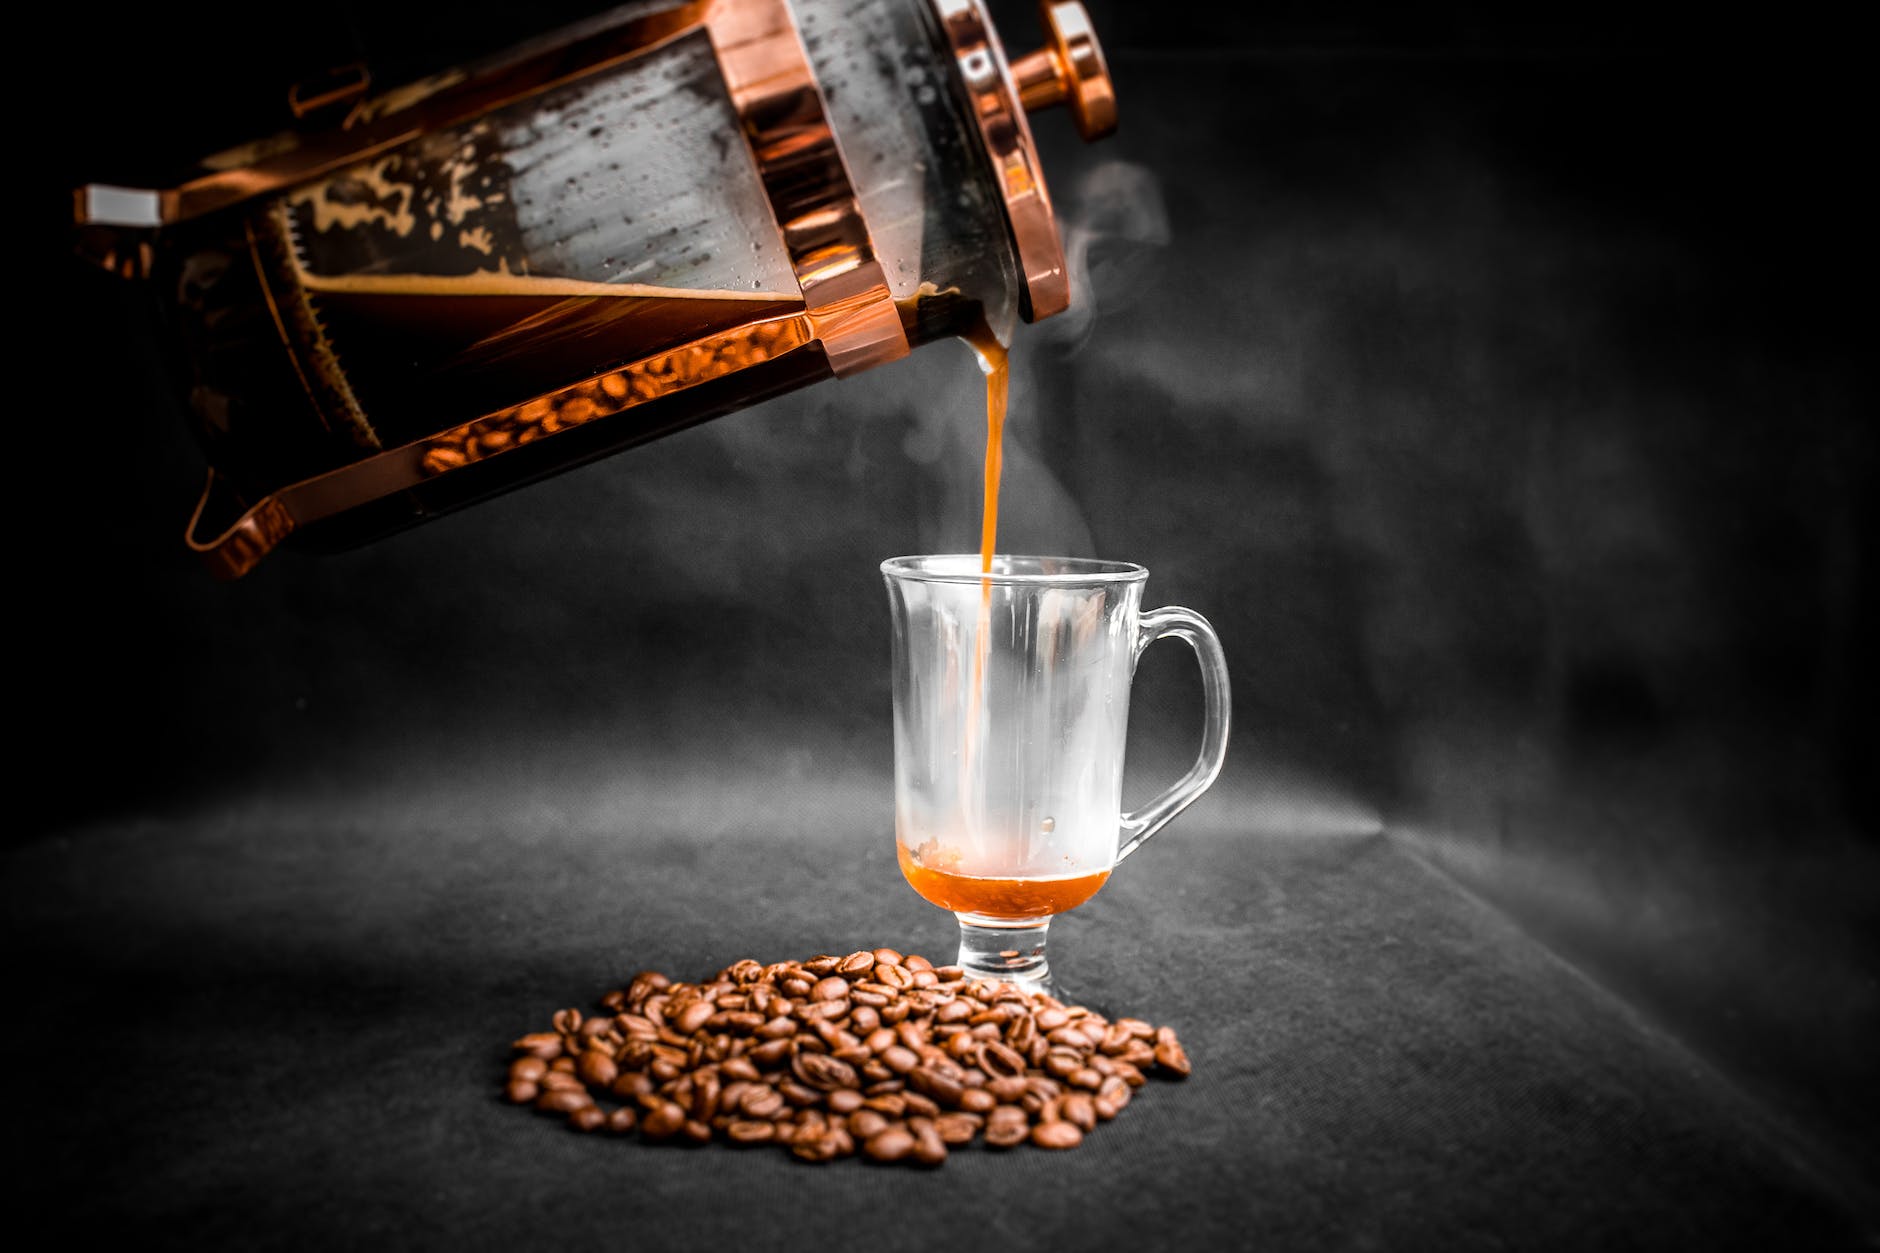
[(1049, 824)]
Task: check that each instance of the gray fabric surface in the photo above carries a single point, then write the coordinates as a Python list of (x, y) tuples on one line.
[(251, 1035)]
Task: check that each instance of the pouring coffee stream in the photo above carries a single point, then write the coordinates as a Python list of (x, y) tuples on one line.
[(666, 214)]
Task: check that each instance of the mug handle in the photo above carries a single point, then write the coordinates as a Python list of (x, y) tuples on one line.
[(1184, 624)]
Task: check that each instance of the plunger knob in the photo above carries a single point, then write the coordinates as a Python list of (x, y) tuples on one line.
[(1069, 69)]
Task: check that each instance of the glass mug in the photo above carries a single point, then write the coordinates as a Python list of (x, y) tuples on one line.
[(1011, 712)]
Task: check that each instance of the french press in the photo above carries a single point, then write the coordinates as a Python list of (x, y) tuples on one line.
[(663, 214)]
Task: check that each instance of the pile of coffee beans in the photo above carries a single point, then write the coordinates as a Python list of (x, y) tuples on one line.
[(874, 1054)]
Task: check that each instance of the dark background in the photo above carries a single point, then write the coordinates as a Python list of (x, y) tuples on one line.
[(1489, 378)]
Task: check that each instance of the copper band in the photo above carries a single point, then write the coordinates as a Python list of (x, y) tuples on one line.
[(773, 88)]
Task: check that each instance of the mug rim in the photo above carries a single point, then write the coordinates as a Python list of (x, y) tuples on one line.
[(1011, 569)]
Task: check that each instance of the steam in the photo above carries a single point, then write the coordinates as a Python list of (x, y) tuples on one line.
[(1114, 224)]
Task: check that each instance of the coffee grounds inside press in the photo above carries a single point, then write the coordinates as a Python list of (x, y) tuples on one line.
[(874, 1054)]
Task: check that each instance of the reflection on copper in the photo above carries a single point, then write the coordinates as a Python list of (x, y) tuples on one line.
[(649, 379)]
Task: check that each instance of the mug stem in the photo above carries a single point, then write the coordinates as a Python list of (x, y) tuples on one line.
[(1006, 954)]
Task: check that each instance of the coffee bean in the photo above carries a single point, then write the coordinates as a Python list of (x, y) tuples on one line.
[(705, 1092), (893, 1104), (632, 1084), (825, 1147), (761, 1102), (864, 1123), (936, 1084), (521, 1091), (772, 1053), (1169, 1054), (1000, 1060), (798, 1094), (596, 1069), (562, 1100), (543, 1044), (856, 964), (1079, 1110), (749, 1131), (930, 1149), (818, 1070), (527, 1069), (645, 984), (1059, 1063), (663, 1121), (779, 1028), (956, 1129), (1056, 1135), (953, 1011), (1006, 1133), (693, 1016), (1006, 1089), (977, 1100), (890, 1144), (844, 1101), (623, 1120)]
